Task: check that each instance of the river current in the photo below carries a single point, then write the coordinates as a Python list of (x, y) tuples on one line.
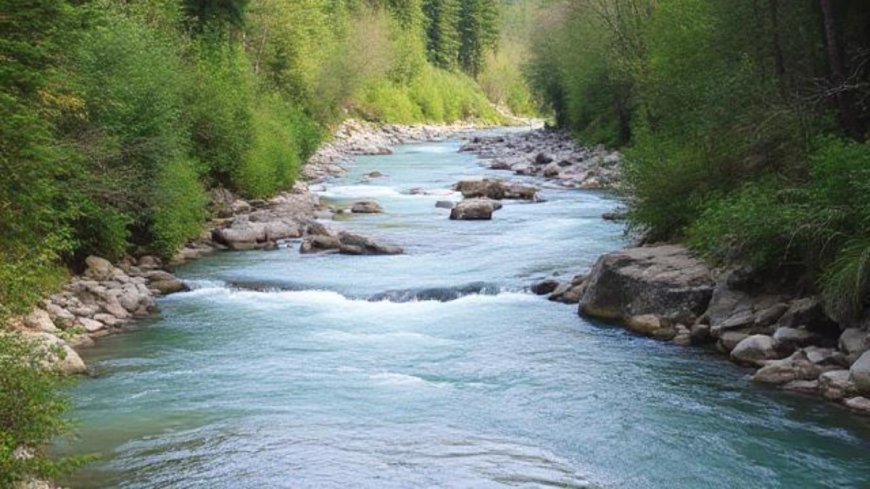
[(436, 368)]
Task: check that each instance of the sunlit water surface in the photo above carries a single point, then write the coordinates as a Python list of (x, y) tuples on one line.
[(284, 370)]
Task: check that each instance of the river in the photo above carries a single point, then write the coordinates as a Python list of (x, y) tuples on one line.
[(435, 368)]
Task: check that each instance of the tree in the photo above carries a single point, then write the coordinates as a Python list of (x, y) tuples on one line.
[(442, 34), (478, 31)]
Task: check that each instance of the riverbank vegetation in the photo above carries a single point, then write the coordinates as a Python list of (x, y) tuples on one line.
[(743, 124), (119, 117)]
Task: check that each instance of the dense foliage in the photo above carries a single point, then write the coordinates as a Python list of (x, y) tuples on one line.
[(743, 124)]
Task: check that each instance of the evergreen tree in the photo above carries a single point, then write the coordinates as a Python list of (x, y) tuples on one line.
[(478, 31), (442, 35)]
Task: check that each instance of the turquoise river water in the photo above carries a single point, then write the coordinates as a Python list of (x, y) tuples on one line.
[(435, 368)]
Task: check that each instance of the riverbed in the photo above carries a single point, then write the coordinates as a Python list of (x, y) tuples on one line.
[(435, 368)]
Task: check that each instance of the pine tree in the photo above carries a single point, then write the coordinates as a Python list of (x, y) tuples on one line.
[(478, 31), (442, 35)]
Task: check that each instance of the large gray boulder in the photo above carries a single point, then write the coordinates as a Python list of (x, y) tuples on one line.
[(668, 281), (357, 244), (56, 354), (40, 321), (835, 385), (99, 268), (474, 210), (853, 342), (859, 373), (754, 350), (795, 367)]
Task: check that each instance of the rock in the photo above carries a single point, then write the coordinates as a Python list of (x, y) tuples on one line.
[(317, 242), (645, 324), (277, 230), (374, 174), (316, 228), (366, 207), (99, 268), (667, 280), (545, 287), (802, 386), (835, 385), (59, 315), (552, 170), (149, 262), (169, 286), (109, 320), (444, 204), (700, 334), (614, 216), (807, 312), (158, 276), (57, 354), (40, 321), (853, 342), (788, 339), (795, 367), (859, 404), (730, 339), (241, 235), (500, 165), (543, 159), (495, 189), (355, 244), (754, 350), (573, 294), (859, 373), (474, 210), (740, 320), (822, 356), (91, 325), (770, 315), (115, 308)]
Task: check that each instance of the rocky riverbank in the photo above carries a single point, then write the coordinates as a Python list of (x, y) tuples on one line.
[(552, 155), (108, 298), (786, 336)]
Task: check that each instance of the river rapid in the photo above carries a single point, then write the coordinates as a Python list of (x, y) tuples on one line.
[(436, 368)]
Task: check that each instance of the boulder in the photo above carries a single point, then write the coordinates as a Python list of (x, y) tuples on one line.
[(807, 312), (835, 385), (374, 174), (99, 268), (169, 286), (317, 242), (149, 262), (788, 339), (770, 315), (795, 367), (444, 204), (91, 325), (645, 324), (858, 404), (366, 207), (740, 320), (543, 159), (57, 354), (545, 287), (40, 321), (241, 235), (314, 228), (730, 339), (573, 294), (474, 210), (552, 170), (859, 373), (356, 244), (802, 386), (667, 280), (59, 315), (754, 350), (699, 334), (853, 342)]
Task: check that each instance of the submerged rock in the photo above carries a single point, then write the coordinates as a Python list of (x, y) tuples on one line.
[(667, 280), (367, 207)]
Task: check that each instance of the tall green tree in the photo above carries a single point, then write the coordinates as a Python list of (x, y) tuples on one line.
[(478, 32), (442, 32)]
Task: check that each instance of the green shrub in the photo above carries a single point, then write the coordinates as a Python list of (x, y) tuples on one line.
[(31, 413), (275, 157), (179, 206), (100, 230)]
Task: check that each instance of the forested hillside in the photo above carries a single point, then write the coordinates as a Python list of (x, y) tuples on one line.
[(743, 124), (118, 116)]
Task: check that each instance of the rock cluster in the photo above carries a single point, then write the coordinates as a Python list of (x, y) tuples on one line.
[(320, 239), (483, 196), (550, 154), (355, 138), (569, 292), (103, 299), (668, 293)]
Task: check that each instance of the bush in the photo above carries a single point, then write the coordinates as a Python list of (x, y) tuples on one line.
[(31, 414), (179, 206)]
